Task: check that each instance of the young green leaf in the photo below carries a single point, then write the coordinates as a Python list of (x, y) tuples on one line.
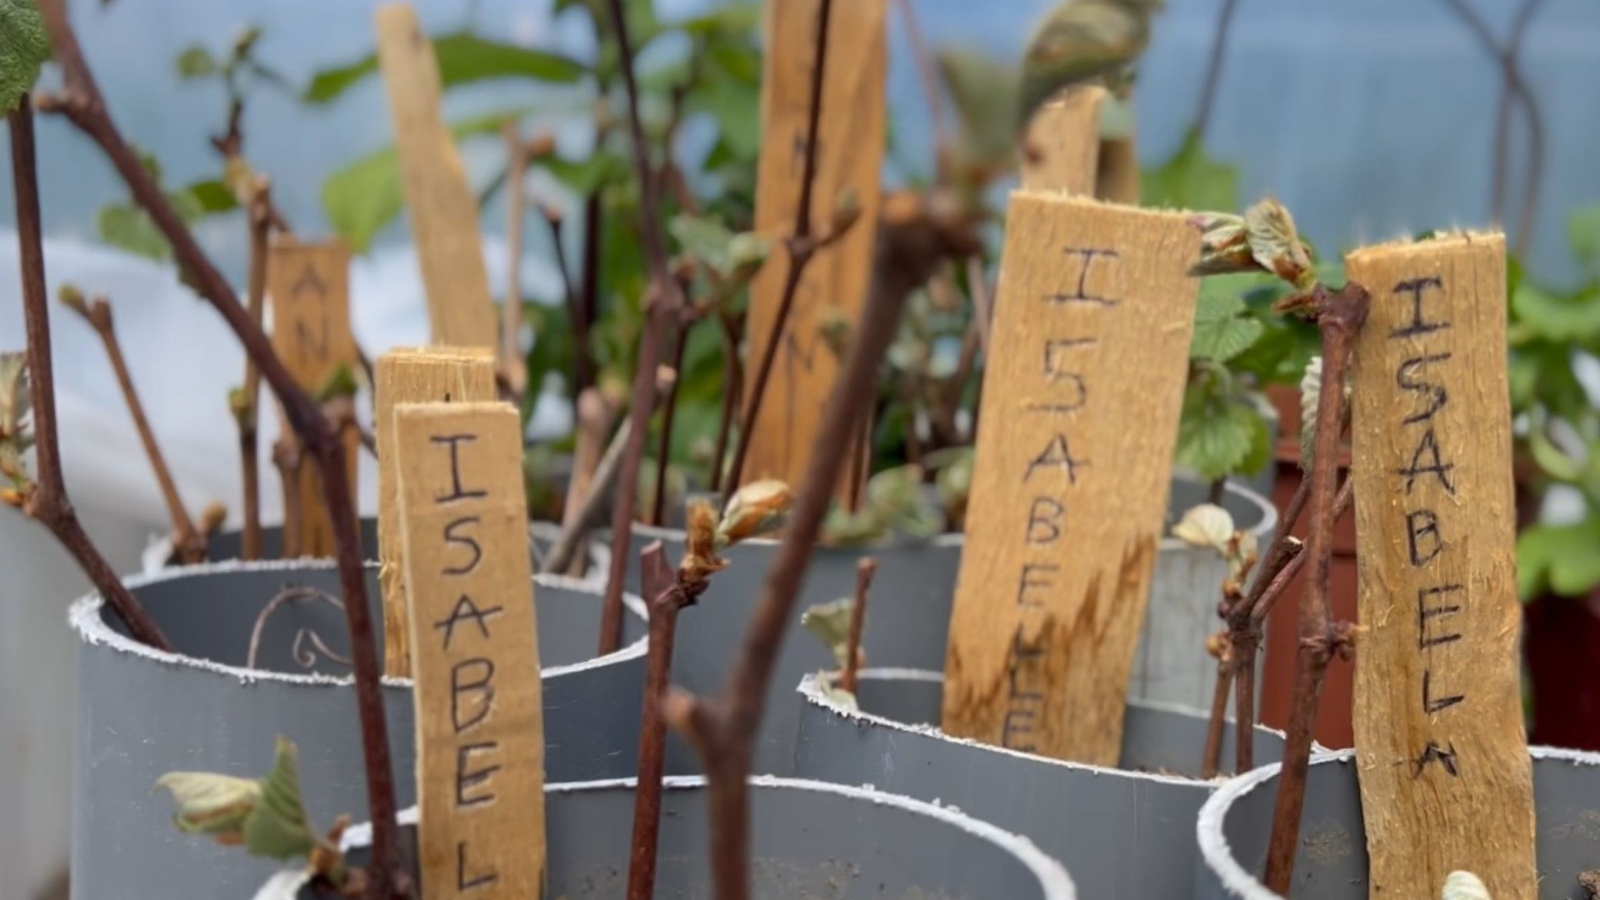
[(1583, 233), (1223, 327), (213, 805), (24, 46), (1205, 525), (830, 623), (984, 91), (1571, 318), (1559, 558), (1220, 436), (1191, 179), (277, 827), (196, 62), (463, 58)]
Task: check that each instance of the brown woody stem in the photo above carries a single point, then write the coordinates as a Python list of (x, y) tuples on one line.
[(81, 102), (1340, 316), (866, 567), (733, 389), (801, 247), (669, 406), (513, 366), (1211, 760), (249, 439), (663, 303)]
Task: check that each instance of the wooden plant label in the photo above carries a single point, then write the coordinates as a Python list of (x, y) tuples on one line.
[(1446, 782), (308, 284), (1088, 356), (849, 156), (480, 718), (1062, 149), (440, 202), (413, 375), (1118, 177)]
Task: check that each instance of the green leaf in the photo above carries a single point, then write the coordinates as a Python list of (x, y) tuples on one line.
[(212, 197), (277, 828), (24, 46), (210, 804), (196, 62), (1558, 558), (463, 58), (735, 106), (1220, 436), (1191, 180), (734, 18), (984, 91), (1583, 233), (365, 196), (1574, 317), (586, 176), (1222, 326), (830, 623), (127, 227), (702, 238)]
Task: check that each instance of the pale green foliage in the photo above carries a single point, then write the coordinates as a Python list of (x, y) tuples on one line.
[(1209, 525), (895, 503), (1082, 41), (1559, 558), (983, 91), (1191, 179), (264, 815), (1221, 432), (830, 623), (1223, 327), (1264, 239), (24, 46), (15, 434), (954, 483), (724, 259), (463, 58)]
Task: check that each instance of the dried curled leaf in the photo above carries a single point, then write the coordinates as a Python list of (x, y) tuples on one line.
[(1206, 525), (266, 816), (754, 509), (700, 557), (830, 623), (1461, 885)]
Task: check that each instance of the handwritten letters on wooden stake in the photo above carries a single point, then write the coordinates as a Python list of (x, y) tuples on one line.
[(480, 755), (1445, 775), (1088, 357), (849, 158), (308, 284)]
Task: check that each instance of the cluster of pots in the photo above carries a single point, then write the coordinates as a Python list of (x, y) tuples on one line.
[(870, 801)]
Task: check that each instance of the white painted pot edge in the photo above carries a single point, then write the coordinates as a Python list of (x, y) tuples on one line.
[(1269, 521), (1052, 875), (85, 620), (1216, 854), (812, 691)]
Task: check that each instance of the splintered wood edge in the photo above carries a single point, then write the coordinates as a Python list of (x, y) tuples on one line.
[(1149, 212), (1449, 240)]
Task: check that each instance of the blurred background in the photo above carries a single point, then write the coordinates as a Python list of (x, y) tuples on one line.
[(1368, 118)]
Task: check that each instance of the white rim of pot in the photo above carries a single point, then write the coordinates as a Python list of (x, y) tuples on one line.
[(84, 617), (811, 689), (1269, 521), (1218, 856), (1053, 877)]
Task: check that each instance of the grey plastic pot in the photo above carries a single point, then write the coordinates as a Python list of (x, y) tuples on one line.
[(1331, 863), (1124, 833), (908, 619), (809, 840), (142, 713)]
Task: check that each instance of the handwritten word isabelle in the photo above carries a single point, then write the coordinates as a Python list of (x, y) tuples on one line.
[(1051, 474)]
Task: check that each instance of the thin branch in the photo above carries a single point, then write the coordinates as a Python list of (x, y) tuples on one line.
[(669, 406), (801, 248), (866, 567), (1211, 759), (247, 409), (593, 427), (569, 291), (189, 545), (733, 390), (978, 289), (1219, 49), (663, 305), (1340, 317), (81, 102), (513, 365), (47, 501), (913, 238)]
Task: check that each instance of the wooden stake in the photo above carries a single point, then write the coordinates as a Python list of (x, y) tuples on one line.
[(1062, 149), (850, 157), (1089, 355), (595, 417), (1446, 782), (1118, 178), (413, 375), (480, 717), (443, 210), (308, 285)]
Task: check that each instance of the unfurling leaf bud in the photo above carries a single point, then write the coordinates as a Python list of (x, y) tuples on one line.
[(215, 805), (756, 508), (1275, 244), (73, 299), (830, 623), (700, 558), (1224, 244), (1206, 525)]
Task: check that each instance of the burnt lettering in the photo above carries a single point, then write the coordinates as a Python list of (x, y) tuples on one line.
[(463, 883), (468, 779), (1418, 325), (478, 690), (1080, 293), (1027, 582), (1444, 756), (1044, 520), (467, 609), (1431, 704), (456, 491), (1426, 460), (1056, 453)]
